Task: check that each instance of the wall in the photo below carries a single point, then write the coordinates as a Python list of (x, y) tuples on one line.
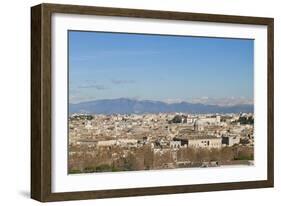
[(15, 102)]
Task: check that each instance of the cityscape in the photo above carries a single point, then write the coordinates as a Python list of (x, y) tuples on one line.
[(152, 102), (108, 143)]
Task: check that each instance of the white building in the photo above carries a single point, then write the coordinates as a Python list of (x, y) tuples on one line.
[(205, 142)]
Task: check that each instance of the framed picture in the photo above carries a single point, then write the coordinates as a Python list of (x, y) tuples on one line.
[(130, 102)]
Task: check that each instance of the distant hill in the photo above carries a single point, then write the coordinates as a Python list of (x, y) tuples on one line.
[(130, 106)]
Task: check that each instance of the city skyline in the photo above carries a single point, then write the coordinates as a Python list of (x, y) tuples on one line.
[(159, 67)]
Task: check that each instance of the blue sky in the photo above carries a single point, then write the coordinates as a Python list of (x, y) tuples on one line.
[(157, 67)]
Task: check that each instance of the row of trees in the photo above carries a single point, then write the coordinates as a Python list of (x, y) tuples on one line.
[(118, 159), (246, 120), (222, 155)]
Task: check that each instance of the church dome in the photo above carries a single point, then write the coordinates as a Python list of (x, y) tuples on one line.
[(198, 123)]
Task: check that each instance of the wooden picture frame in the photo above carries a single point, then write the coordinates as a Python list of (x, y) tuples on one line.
[(41, 95)]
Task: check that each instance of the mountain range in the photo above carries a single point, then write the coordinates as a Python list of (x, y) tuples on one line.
[(131, 106)]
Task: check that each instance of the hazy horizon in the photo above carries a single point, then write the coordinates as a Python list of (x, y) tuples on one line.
[(204, 100)]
